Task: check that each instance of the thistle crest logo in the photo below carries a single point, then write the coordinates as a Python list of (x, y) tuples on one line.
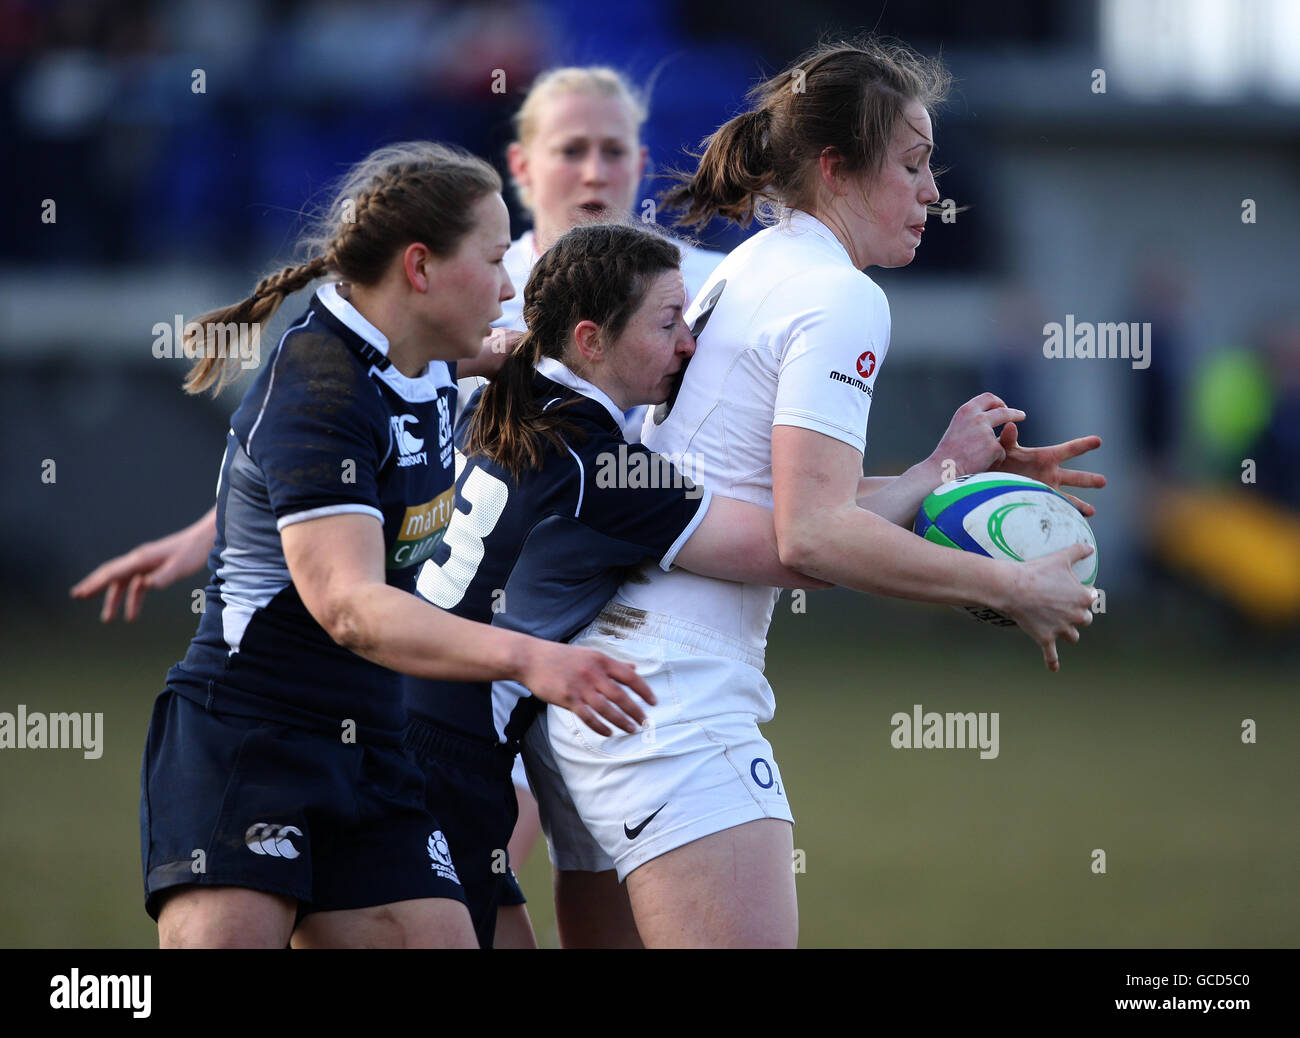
[(440, 855)]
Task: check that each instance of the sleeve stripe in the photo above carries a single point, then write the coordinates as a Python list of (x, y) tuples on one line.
[(582, 480), (666, 563), (270, 385), (320, 513)]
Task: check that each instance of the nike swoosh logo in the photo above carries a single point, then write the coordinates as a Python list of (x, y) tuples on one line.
[(632, 834)]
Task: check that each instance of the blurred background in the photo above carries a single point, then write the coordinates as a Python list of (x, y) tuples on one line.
[(1120, 161)]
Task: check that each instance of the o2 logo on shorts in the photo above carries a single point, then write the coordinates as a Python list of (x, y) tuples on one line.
[(764, 777), (866, 364)]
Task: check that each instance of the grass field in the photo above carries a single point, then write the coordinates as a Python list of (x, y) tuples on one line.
[(1134, 748)]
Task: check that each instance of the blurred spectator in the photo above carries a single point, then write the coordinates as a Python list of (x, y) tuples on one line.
[(1276, 450), (1159, 297)]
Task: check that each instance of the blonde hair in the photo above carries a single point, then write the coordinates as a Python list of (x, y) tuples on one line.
[(595, 80)]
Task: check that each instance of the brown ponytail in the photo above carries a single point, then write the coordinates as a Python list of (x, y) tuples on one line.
[(735, 173), (412, 192), (212, 368), (599, 273), (848, 96)]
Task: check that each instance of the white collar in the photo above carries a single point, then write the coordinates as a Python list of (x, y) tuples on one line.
[(557, 372), (351, 316), (800, 221), (436, 375)]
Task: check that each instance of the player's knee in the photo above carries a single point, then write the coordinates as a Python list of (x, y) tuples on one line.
[(197, 917)]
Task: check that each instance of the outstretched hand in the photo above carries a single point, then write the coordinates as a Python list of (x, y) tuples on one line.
[(1045, 464), (147, 567)]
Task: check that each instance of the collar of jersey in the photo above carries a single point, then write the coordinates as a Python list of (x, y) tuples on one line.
[(518, 262), (801, 221), (561, 375), (424, 387)]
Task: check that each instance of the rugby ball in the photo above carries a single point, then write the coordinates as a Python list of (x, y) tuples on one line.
[(1004, 516)]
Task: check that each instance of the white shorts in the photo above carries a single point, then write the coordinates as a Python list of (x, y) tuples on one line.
[(700, 766), (571, 846), (519, 775)]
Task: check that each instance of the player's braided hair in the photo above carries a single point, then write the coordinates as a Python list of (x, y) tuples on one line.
[(412, 192), (597, 273), (845, 95)]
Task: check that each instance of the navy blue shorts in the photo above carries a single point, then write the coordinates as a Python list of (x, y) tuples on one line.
[(467, 784), (240, 801)]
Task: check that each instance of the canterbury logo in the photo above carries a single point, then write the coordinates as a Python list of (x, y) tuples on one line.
[(410, 448), (406, 443), (263, 838)]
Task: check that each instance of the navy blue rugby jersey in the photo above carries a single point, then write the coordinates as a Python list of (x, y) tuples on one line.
[(329, 427), (545, 554)]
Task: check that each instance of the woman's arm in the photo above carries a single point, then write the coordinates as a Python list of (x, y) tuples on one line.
[(966, 448), (736, 540), (820, 530), (148, 567), (969, 444), (337, 567), (496, 347)]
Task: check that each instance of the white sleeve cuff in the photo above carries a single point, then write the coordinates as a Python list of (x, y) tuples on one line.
[(320, 513), (706, 498)]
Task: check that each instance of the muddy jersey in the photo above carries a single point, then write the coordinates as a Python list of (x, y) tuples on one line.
[(330, 427)]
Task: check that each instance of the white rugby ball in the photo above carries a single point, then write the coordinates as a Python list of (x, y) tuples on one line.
[(1004, 516)]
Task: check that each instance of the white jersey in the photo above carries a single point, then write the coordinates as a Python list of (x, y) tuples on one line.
[(518, 261), (697, 265), (793, 334)]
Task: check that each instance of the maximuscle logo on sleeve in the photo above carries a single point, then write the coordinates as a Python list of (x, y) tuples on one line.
[(423, 527), (856, 383)]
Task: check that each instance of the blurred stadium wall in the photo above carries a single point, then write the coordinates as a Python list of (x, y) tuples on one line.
[(179, 143)]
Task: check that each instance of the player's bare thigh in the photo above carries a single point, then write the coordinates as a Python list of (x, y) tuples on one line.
[(235, 917), (592, 911), (514, 928), (528, 827), (429, 922), (734, 889), (225, 917)]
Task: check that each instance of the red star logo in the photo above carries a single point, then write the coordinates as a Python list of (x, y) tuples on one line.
[(866, 364)]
